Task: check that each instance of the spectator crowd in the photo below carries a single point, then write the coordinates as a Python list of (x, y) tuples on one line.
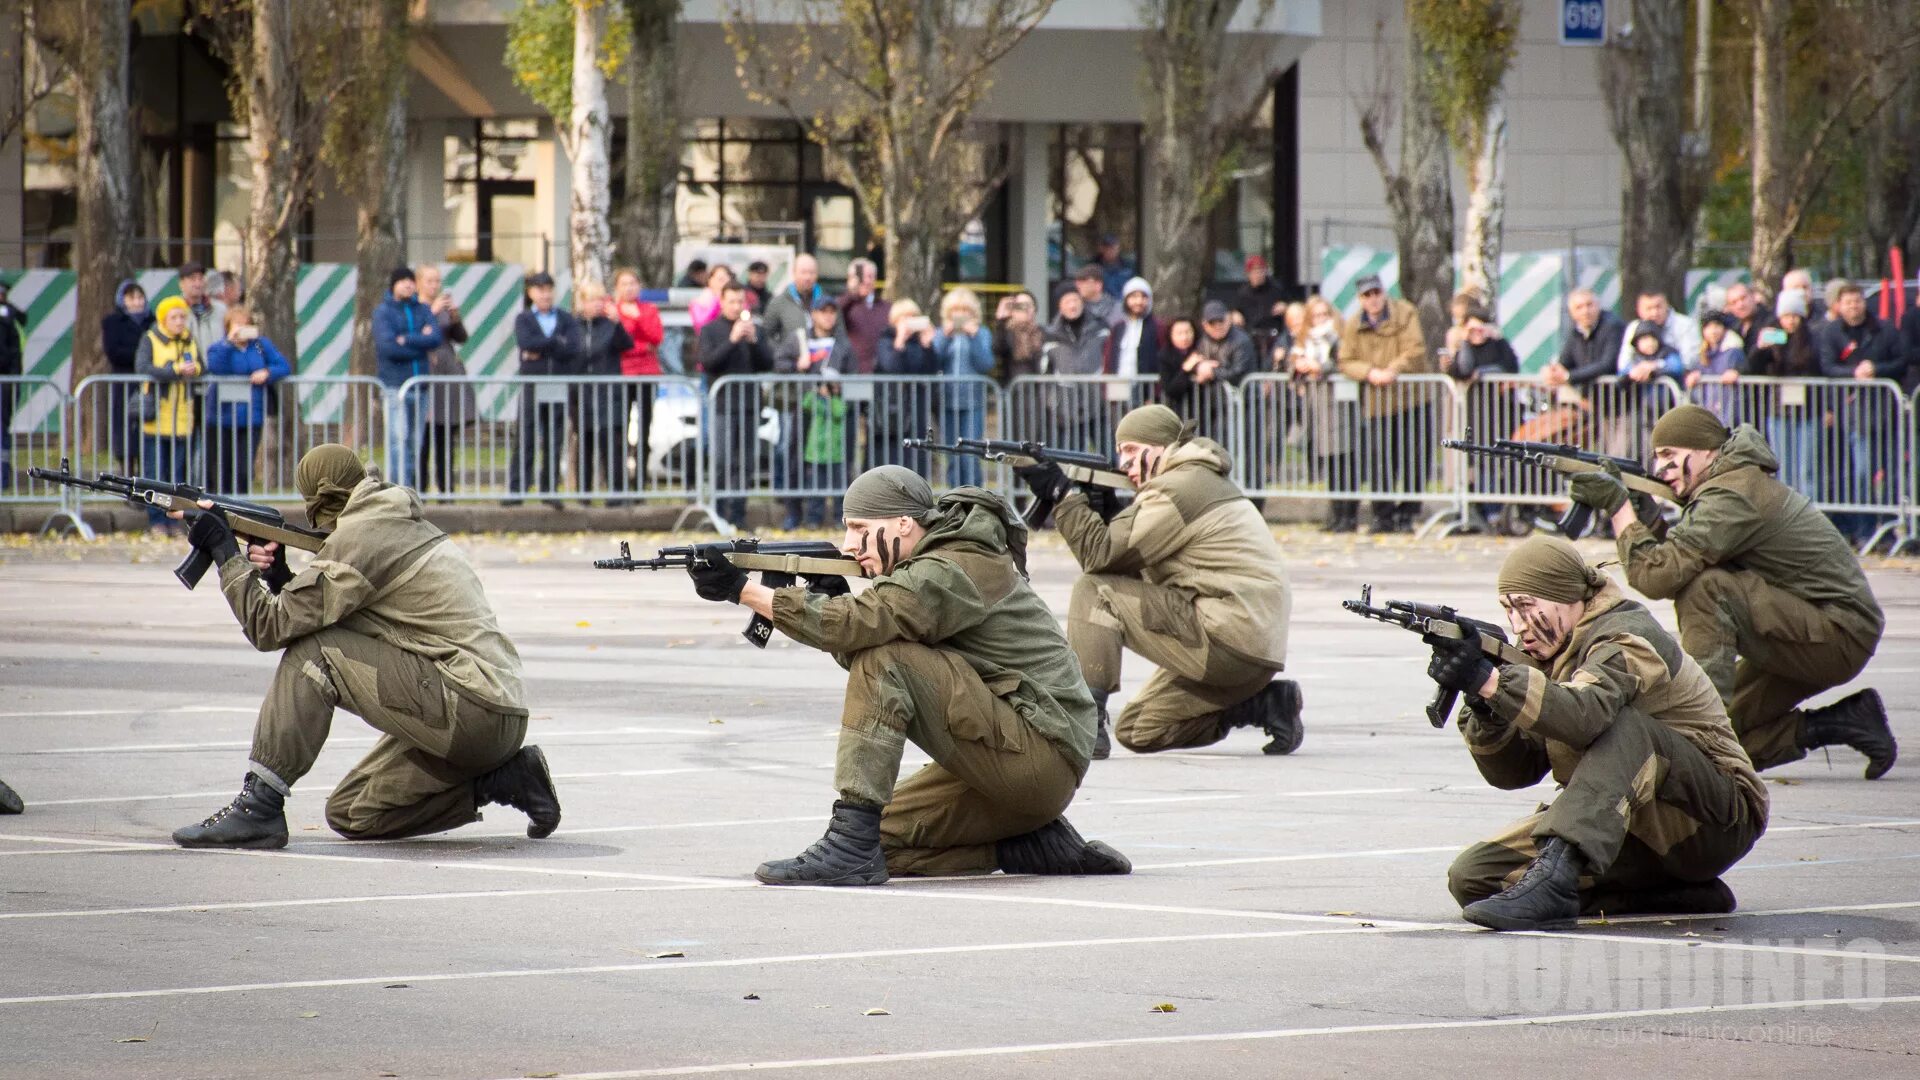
[(1334, 405)]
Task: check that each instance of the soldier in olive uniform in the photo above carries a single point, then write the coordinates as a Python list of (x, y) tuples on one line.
[(1659, 799), (952, 650), (1771, 601), (1188, 576), (388, 621)]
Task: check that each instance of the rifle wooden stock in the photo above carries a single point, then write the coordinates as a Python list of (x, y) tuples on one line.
[(1566, 466)]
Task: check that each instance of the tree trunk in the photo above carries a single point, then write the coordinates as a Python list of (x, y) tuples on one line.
[(276, 204), (1774, 220), (1183, 84), (1643, 78), (647, 223), (1423, 218), (588, 233), (1177, 241), (1486, 209), (1892, 209), (377, 228), (105, 187)]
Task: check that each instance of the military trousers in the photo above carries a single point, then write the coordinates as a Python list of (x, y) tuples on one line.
[(435, 742), (1645, 807), (1181, 703), (993, 774), (1766, 651)]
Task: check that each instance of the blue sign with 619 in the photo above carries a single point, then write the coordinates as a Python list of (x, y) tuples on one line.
[(1583, 22)]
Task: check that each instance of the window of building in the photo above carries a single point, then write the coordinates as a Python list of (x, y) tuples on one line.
[(1096, 193), (492, 193), (1243, 223)]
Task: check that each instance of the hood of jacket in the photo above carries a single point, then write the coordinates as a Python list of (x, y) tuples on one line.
[(1199, 452), (980, 519), (1745, 447), (120, 298)]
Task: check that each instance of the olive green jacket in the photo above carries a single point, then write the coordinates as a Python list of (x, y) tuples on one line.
[(1617, 657), (387, 573), (1191, 529), (1742, 518), (963, 590)]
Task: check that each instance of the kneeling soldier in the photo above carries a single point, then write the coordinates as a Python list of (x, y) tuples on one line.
[(952, 650), (1771, 600), (1659, 798), (389, 622), (1188, 576)]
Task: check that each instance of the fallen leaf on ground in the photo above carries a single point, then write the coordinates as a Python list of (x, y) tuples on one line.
[(1343, 913), (751, 997), (678, 642), (308, 1015), (1369, 926), (396, 986), (669, 955), (1165, 1006), (876, 1012), (583, 624), (136, 1038)]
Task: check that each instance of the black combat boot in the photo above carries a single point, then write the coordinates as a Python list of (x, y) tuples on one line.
[(1274, 710), (1056, 848), (524, 784), (9, 800), (1857, 720), (256, 818), (849, 853), (1677, 898), (1547, 896)]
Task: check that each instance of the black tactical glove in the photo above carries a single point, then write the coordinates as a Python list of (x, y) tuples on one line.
[(211, 534), (1045, 480), (714, 578), (1458, 664), (826, 584), (277, 575)]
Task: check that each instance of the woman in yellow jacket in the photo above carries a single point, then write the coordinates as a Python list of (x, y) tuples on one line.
[(171, 363)]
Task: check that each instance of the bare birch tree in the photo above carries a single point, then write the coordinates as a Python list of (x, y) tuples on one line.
[(647, 216), (1420, 187)]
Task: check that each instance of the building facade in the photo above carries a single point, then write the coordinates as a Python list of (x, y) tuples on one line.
[(487, 182)]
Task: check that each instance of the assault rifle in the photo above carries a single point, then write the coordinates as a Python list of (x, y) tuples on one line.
[(1567, 460), (249, 519), (1091, 470), (1436, 623), (779, 564)]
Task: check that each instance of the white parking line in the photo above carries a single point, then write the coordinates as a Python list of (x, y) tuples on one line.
[(327, 901), (1243, 1036), (140, 710), (668, 967)]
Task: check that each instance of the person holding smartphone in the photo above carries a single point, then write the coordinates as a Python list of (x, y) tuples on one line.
[(234, 423)]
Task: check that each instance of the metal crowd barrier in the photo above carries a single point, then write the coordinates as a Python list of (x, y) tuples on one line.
[(548, 438), (801, 438), (1356, 442), (1849, 445), (1845, 444), (226, 443), (1611, 415)]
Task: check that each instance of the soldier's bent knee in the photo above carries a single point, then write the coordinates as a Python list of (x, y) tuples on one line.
[(1706, 591)]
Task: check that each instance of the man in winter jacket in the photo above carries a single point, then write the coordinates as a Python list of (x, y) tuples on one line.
[(405, 334)]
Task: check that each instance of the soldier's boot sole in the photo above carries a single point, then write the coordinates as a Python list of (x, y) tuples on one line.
[(10, 801)]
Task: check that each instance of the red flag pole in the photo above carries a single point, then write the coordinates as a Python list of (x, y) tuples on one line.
[(1898, 261)]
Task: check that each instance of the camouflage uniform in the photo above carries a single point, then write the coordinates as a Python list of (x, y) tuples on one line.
[(954, 652), (1188, 576), (1657, 788), (388, 622), (1771, 601)]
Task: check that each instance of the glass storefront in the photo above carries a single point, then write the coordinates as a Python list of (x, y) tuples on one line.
[(491, 191)]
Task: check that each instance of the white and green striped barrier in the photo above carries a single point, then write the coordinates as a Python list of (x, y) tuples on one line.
[(1699, 281), (1531, 294)]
